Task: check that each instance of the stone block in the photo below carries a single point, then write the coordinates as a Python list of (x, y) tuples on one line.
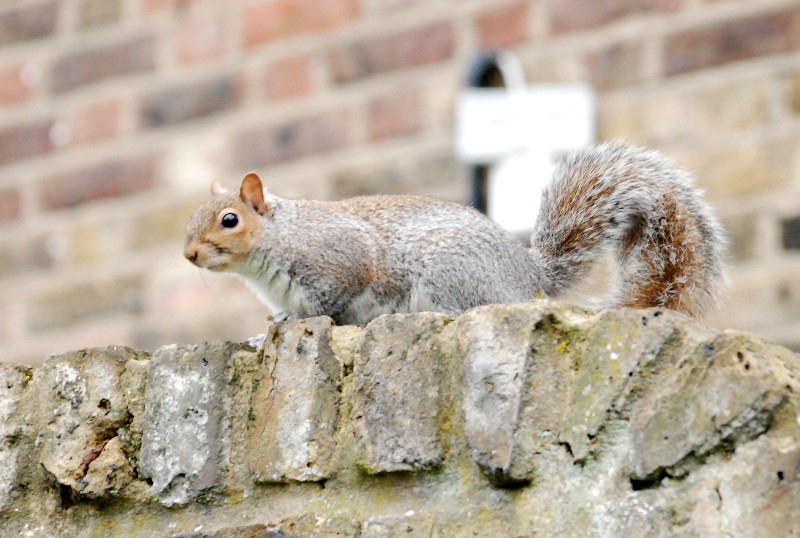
[(549, 376), (756, 492), (110, 472), (396, 385), (14, 381), (619, 423), (85, 410), (618, 352), (344, 342), (495, 342), (295, 405), (185, 428), (723, 393), (516, 382)]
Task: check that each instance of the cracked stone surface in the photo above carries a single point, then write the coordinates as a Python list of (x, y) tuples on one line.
[(84, 408), (722, 394), (295, 405), (514, 420), (184, 441), (14, 380), (396, 393)]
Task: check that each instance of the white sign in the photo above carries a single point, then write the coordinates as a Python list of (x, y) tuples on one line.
[(514, 190), (495, 122), (521, 131)]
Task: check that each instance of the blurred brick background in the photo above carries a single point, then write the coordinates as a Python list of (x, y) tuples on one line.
[(115, 115)]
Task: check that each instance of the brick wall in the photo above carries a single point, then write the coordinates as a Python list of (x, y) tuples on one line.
[(115, 115)]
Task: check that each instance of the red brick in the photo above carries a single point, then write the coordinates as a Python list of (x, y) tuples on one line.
[(10, 204), (741, 39), (312, 135), (572, 15), (23, 141), (616, 66), (28, 23), (200, 40), (274, 19), (503, 26), (97, 121), (394, 115), (421, 46), (123, 58), (191, 101), (288, 78), (105, 180), (12, 89)]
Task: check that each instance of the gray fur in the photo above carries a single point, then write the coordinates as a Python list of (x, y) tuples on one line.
[(359, 258)]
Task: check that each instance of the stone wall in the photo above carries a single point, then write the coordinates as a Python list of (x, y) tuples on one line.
[(524, 420), (115, 115)]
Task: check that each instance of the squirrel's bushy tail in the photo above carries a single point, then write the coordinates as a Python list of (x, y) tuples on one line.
[(635, 208)]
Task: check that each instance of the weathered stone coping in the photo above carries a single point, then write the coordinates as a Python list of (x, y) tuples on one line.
[(506, 421)]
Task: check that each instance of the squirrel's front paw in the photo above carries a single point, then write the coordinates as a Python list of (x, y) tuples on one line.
[(284, 316)]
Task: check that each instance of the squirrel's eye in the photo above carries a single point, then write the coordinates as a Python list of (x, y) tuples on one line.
[(229, 220)]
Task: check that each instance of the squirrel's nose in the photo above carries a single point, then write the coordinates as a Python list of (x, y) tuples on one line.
[(190, 253)]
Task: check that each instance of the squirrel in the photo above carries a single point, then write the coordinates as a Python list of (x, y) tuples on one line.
[(622, 213)]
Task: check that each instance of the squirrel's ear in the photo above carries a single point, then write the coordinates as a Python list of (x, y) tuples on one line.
[(252, 194), (216, 188)]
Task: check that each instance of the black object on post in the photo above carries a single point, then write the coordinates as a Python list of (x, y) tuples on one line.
[(483, 73)]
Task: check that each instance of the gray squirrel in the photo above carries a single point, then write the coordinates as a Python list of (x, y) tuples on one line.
[(618, 226)]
